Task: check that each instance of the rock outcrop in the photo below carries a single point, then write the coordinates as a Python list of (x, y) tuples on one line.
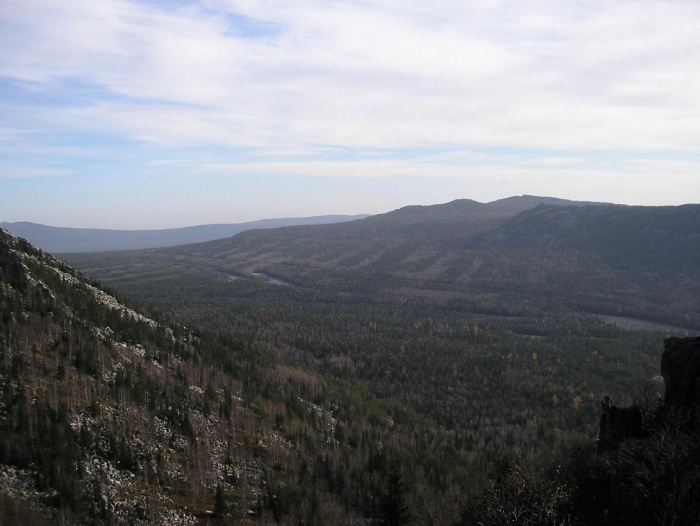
[(618, 423), (680, 367), (648, 470)]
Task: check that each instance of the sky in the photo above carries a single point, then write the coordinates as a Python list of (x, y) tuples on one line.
[(135, 114)]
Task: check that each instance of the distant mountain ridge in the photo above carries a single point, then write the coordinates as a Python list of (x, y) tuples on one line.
[(618, 260), (460, 208), (74, 240), (63, 240), (517, 204)]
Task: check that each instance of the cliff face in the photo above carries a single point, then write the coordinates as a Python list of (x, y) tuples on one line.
[(680, 367), (618, 423), (647, 470)]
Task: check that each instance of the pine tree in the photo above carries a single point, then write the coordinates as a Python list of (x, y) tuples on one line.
[(220, 501), (393, 510)]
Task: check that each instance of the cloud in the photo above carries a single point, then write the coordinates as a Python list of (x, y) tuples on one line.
[(560, 97), (560, 74)]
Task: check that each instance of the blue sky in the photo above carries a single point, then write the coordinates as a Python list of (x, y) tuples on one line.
[(154, 114)]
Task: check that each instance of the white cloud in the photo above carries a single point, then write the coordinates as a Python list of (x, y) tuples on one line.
[(549, 74), (516, 97)]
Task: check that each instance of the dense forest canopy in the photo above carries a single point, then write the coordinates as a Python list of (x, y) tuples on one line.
[(395, 366)]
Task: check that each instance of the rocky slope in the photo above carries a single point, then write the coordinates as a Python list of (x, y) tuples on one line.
[(108, 416)]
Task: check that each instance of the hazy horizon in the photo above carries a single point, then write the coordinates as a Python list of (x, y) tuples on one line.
[(263, 219), (146, 114)]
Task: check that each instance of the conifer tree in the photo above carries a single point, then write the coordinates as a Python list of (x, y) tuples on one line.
[(393, 510)]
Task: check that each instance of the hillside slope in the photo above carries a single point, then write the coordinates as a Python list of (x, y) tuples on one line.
[(109, 416), (665, 238), (104, 417)]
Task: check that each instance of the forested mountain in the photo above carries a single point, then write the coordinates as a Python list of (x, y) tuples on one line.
[(392, 366), (664, 238), (610, 260), (58, 239)]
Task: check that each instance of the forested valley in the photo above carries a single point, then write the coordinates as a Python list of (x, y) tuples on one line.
[(392, 370)]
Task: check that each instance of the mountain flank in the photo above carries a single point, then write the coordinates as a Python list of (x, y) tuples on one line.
[(664, 237), (600, 259), (110, 416)]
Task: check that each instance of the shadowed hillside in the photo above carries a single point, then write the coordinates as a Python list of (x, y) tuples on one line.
[(659, 238)]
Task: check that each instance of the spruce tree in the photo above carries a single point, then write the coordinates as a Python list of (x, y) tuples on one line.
[(393, 510)]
